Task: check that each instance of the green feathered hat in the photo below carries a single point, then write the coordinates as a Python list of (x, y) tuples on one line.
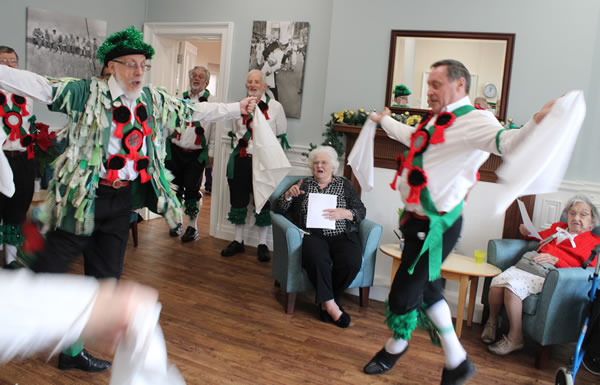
[(129, 41), (401, 90)]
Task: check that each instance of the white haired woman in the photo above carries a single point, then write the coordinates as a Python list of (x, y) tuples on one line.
[(563, 245), (331, 257)]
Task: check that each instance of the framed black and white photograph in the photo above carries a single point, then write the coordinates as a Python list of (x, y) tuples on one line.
[(62, 45), (278, 49)]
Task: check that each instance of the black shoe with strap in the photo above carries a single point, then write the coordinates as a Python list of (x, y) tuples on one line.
[(383, 361), (83, 361), (175, 232), (191, 234), (234, 248), (458, 375)]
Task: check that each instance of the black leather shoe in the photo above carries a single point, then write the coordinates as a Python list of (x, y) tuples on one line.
[(263, 253), (324, 316), (458, 375), (13, 265), (190, 234), (233, 248), (177, 230), (83, 361), (382, 362)]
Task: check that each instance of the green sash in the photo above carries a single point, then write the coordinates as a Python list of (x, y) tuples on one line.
[(438, 224)]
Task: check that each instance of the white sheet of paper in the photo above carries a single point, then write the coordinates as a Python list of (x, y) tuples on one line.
[(527, 222), (316, 204)]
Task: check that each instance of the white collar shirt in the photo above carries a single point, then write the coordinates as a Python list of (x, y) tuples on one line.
[(451, 167)]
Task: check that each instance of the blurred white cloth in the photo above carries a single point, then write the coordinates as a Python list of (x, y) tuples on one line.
[(269, 163), (539, 163), (361, 157), (41, 312), (141, 356), (7, 185)]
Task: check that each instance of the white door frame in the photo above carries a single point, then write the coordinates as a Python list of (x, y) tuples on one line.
[(224, 30)]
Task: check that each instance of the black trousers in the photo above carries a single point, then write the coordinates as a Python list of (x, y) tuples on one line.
[(104, 250), (14, 210), (240, 186), (187, 171), (410, 290), (331, 263)]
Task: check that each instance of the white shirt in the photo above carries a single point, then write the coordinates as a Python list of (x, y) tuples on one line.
[(277, 121), (188, 138), (451, 167), (29, 84)]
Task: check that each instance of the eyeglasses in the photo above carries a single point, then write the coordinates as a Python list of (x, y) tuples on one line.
[(196, 76), (133, 65), (11, 61)]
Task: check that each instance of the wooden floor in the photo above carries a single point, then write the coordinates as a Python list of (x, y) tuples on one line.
[(224, 323)]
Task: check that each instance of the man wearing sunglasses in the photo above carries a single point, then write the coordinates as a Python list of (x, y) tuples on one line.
[(113, 162)]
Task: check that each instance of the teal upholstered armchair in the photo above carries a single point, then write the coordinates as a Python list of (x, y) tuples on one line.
[(287, 254), (553, 316)]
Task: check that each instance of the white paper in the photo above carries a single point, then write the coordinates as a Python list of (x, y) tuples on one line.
[(527, 222), (539, 163), (361, 157), (316, 204)]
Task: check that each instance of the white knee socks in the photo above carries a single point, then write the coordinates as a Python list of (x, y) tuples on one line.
[(440, 315), (239, 233), (11, 253), (262, 235), (395, 346)]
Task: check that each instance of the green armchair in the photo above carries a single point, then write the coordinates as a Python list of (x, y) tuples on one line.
[(553, 316), (287, 254)]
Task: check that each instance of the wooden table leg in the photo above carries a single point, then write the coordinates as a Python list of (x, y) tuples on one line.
[(460, 311), (472, 295)]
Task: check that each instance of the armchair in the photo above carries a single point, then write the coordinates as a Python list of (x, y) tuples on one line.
[(287, 254), (553, 316)]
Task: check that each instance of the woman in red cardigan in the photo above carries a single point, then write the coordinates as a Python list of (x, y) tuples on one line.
[(563, 245)]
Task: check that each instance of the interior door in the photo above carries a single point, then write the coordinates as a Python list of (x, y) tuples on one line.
[(188, 53), (164, 64)]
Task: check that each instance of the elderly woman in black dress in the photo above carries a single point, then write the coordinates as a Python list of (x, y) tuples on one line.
[(331, 257)]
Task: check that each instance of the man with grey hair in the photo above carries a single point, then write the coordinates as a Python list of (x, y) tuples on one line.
[(239, 166), (445, 153), (191, 152)]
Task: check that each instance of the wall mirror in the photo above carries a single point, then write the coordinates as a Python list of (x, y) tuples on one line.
[(487, 56)]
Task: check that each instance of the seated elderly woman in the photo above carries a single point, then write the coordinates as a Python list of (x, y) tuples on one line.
[(563, 245), (331, 257)]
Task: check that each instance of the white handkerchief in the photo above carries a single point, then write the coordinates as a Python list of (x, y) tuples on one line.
[(316, 204), (269, 163), (539, 163), (527, 222), (361, 156)]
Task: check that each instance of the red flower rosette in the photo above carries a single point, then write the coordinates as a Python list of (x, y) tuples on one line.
[(443, 121), (141, 116), (400, 167), (121, 117), (21, 102), (264, 107), (114, 164), (141, 165), (199, 130), (14, 121), (2, 104), (243, 144), (425, 120), (417, 180), (132, 143)]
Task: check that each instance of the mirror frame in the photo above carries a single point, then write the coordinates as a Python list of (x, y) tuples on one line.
[(508, 59)]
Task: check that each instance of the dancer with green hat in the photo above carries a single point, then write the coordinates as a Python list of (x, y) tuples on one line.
[(113, 162)]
